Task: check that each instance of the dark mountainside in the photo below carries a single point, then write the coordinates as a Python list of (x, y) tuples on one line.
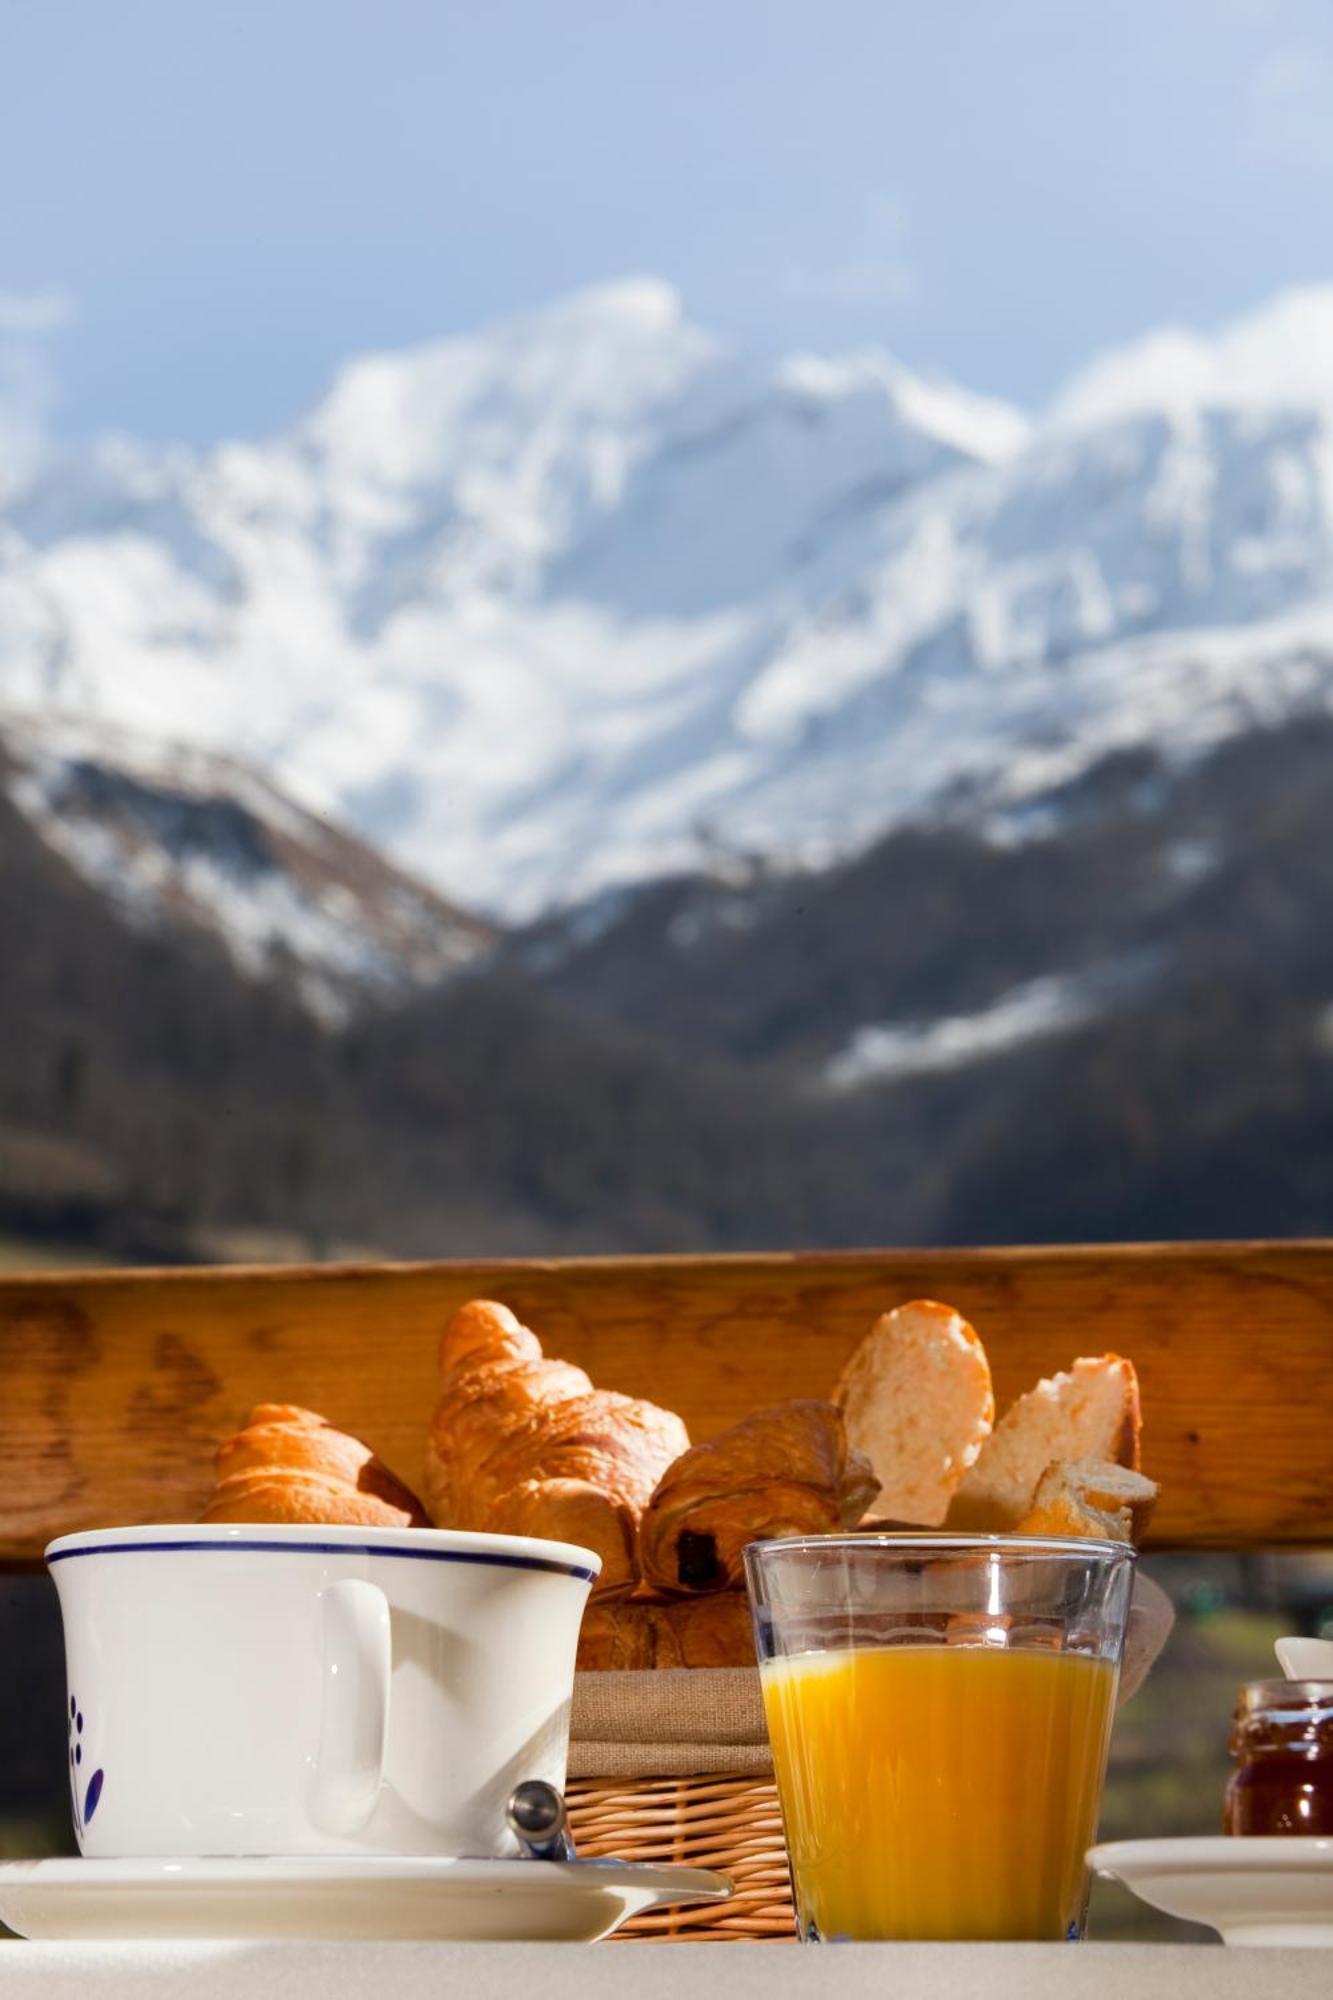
[(156, 1104), (650, 1073), (1199, 1100)]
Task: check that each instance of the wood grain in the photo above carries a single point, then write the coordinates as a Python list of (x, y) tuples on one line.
[(118, 1386)]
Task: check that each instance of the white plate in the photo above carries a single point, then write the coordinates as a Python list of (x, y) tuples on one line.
[(332, 1896), (1270, 1891)]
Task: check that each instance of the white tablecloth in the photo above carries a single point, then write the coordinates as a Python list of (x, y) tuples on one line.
[(659, 1972)]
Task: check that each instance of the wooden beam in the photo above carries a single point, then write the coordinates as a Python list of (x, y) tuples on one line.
[(118, 1386)]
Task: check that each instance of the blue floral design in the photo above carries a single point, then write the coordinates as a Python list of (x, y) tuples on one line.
[(83, 1807)]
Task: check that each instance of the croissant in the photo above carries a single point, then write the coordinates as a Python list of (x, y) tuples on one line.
[(784, 1471), (289, 1464), (712, 1631), (520, 1445)]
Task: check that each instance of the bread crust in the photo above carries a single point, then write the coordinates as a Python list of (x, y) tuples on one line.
[(291, 1465), (636, 1634), (1090, 1497), (783, 1471), (917, 1398), (520, 1444), (1090, 1411)]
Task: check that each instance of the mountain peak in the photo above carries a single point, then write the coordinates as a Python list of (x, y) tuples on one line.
[(584, 595), (641, 301), (533, 387), (1278, 356), (978, 427)]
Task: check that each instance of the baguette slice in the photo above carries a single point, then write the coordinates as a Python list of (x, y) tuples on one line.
[(917, 1399), (1090, 1411), (1088, 1496)]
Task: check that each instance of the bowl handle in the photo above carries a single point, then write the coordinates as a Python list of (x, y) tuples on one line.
[(354, 1706)]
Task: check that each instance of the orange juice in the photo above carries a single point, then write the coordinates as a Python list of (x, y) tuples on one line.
[(939, 1791)]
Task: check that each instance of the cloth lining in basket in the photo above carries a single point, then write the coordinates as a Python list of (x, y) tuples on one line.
[(686, 1721)]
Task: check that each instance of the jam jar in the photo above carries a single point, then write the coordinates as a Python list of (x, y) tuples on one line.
[(1282, 1741)]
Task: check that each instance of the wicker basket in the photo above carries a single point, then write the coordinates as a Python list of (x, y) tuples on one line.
[(732, 1824)]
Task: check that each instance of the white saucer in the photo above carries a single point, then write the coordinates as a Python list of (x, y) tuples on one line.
[(332, 1896), (1253, 1891)]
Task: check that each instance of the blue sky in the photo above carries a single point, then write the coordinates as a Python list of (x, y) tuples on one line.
[(209, 203)]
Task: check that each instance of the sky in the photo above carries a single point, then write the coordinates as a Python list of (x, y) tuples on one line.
[(207, 206)]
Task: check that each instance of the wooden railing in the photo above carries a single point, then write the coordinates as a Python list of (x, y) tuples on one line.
[(116, 1387)]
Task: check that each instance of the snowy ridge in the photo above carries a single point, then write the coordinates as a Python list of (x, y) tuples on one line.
[(1280, 356), (178, 837), (883, 1053), (586, 596), (1052, 1004)]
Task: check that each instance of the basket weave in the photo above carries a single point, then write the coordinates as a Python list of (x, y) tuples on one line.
[(731, 1824)]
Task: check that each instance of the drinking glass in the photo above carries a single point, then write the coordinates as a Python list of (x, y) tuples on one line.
[(940, 1711)]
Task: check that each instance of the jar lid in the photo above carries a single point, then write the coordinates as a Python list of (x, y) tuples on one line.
[(1273, 1697)]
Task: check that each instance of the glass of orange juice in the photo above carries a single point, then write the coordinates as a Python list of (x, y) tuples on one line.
[(940, 1709)]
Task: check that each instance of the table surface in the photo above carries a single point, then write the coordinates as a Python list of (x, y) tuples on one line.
[(586, 1972)]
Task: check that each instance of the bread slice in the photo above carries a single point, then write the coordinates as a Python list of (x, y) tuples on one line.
[(1090, 1497), (1091, 1411), (917, 1399)]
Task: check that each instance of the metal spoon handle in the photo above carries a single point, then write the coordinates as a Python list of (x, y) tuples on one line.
[(536, 1816)]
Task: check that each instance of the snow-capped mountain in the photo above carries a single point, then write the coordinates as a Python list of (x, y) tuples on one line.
[(587, 596), (181, 839)]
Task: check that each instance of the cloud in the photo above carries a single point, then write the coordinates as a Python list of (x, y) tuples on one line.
[(27, 381), (28, 314), (873, 271)]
